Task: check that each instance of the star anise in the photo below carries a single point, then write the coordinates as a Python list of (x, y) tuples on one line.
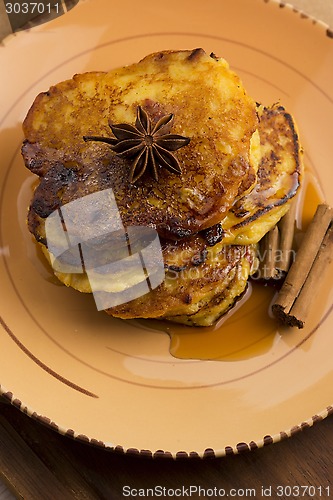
[(148, 145)]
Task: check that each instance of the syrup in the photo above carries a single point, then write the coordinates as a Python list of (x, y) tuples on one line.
[(248, 330)]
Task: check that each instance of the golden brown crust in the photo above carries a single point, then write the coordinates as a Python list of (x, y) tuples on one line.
[(209, 105), (279, 176), (214, 284)]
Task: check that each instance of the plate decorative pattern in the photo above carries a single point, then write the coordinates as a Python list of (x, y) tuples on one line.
[(116, 384)]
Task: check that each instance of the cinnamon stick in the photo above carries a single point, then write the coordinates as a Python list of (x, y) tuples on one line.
[(315, 253), (286, 229), (269, 247), (276, 247)]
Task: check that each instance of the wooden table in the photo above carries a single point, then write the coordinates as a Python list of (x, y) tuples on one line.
[(37, 463)]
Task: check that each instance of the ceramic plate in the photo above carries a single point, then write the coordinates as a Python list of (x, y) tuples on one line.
[(117, 384)]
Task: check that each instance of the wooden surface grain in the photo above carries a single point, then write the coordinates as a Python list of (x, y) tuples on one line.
[(39, 464)]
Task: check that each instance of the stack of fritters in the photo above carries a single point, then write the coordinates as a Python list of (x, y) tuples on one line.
[(240, 167)]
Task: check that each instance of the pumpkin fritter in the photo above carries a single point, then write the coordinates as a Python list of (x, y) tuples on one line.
[(231, 180), (205, 277), (197, 295), (209, 106)]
